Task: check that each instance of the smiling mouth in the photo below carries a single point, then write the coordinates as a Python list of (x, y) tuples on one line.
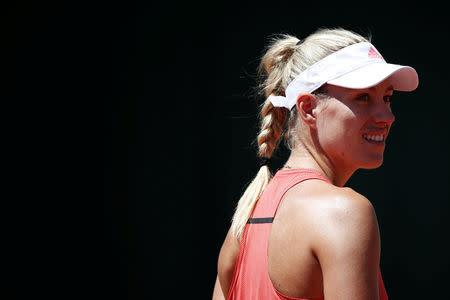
[(375, 138)]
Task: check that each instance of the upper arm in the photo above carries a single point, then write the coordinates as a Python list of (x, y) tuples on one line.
[(348, 248), (218, 293), (227, 261)]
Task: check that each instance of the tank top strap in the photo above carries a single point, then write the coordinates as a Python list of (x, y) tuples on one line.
[(283, 181), (299, 175)]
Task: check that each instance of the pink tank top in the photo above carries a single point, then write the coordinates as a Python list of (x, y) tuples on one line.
[(251, 276)]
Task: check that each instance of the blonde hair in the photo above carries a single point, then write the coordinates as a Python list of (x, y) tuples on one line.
[(281, 63)]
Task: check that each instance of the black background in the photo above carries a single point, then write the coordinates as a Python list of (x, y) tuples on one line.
[(172, 83)]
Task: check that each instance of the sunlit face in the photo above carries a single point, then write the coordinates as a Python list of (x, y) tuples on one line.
[(353, 125)]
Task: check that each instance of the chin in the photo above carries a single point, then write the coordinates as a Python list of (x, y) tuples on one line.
[(373, 164)]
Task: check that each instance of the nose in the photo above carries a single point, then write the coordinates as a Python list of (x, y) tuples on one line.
[(383, 114)]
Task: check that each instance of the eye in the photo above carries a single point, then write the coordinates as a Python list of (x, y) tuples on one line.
[(388, 98), (363, 97)]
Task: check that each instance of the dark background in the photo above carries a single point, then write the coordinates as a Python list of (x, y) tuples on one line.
[(172, 83)]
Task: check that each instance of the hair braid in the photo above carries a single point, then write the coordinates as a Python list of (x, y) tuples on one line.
[(272, 122)]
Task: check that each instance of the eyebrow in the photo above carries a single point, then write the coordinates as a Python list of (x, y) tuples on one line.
[(390, 88)]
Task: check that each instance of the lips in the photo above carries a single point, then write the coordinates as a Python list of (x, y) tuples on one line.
[(374, 137)]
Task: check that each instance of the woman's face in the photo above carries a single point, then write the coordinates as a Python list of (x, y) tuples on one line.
[(353, 125)]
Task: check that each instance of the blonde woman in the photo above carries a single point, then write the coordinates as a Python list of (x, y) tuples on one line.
[(302, 234)]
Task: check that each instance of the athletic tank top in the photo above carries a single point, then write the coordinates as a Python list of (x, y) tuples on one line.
[(251, 275)]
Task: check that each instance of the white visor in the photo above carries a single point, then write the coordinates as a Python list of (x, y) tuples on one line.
[(358, 66)]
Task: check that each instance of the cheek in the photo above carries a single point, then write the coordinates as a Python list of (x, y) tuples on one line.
[(337, 124), (339, 133)]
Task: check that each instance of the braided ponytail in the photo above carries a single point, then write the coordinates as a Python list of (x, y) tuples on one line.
[(272, 123), (272, 120)]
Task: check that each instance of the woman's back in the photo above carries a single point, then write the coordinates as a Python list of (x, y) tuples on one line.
[(293, 266), (317, 232), (279, 261)]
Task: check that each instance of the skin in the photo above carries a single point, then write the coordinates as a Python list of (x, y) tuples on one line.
[(325, 241)]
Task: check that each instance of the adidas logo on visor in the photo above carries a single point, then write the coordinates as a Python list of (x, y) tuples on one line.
[(374, 54)]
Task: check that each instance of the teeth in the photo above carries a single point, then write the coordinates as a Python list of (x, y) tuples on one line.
[(377, 138)]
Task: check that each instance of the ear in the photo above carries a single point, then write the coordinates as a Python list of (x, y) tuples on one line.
[(306, 108)]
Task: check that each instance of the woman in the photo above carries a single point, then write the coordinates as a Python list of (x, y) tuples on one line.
[(302, 234)]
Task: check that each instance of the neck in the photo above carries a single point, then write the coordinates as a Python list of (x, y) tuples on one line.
[(302, 157)]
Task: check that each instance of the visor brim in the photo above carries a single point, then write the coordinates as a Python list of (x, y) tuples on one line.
[(402, 78)]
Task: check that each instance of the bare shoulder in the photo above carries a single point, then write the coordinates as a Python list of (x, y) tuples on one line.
[(326, 203), (329, 230), (347, 245), (345, 205), (346, 218), (335, 219), (339, 229)]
